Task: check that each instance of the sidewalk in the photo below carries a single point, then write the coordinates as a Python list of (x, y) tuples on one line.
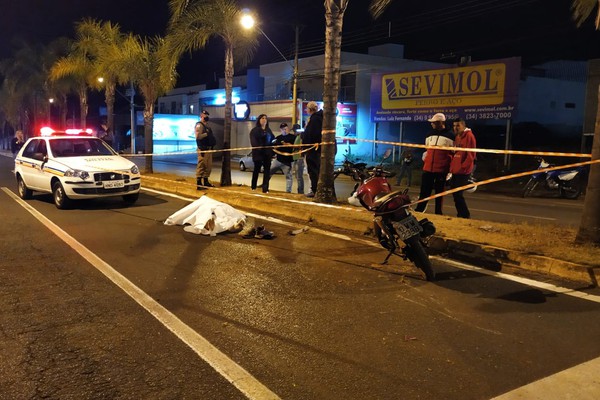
[(357, 221)]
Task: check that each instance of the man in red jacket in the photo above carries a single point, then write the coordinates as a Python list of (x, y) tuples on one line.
[(462, 164), (436, 163)]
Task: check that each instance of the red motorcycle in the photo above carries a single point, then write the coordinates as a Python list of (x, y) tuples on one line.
[(393, 221)]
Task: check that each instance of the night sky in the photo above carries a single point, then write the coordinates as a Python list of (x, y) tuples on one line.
[(536, 30)]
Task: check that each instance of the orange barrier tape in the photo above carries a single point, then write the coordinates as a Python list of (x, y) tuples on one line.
[(502, 178), (475, 150)]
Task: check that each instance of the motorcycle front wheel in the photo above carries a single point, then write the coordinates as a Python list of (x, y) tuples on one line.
[(415, 251), (529, 187)]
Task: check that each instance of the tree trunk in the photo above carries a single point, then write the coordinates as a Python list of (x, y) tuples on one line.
[(334, 19), (589, 228), (109, 95), (226, 157), (148, 142), (83, 105)]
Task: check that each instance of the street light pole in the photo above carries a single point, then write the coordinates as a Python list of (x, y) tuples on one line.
[(248, 22)]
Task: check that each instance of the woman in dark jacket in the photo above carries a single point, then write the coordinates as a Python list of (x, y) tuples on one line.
[(17, 142), (261, 136)]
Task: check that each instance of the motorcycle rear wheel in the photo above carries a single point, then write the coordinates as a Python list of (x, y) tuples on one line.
[(529, 187), (572, 189), (415, 251)]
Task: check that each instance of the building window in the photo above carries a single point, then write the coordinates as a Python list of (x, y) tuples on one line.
[(173, 107), (570, 105)]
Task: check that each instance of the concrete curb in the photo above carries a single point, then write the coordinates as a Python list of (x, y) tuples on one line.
[(358, 221)]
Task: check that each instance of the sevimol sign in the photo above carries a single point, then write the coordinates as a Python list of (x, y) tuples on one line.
[(486, 90)]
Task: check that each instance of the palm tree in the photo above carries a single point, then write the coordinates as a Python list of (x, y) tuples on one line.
[(334, 18), (24, 98), (589, 228), (78, 66), (99, 39), (193, 23), (149, 64)]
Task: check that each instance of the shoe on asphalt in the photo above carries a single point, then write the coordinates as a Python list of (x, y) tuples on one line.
[(310, 194), (262, 233)]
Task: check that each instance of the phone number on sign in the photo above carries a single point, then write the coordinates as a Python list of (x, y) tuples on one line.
[(490, 115)]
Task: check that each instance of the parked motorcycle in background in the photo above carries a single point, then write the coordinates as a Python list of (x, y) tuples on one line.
[(570, 183), (393, 222)]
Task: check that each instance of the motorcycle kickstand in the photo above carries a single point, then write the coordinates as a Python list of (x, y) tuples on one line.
[(391, 252)]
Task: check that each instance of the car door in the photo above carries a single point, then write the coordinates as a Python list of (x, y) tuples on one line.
[(31, 163)]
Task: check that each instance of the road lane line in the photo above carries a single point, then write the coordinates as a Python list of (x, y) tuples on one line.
[(457, 264), (524, 281), (234, 373), (580, 382)]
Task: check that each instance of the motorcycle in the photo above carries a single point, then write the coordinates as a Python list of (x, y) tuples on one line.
[(570, 183), (357, 171), (393, 221)]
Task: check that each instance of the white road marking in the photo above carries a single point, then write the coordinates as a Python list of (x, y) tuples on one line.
[(457, 264), (524, 281), (581, 382), (234, 373)]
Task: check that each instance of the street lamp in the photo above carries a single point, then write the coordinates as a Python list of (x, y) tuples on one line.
[(248, 22)]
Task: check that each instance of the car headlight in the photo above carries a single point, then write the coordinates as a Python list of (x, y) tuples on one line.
[(134, 170), (77, 173)]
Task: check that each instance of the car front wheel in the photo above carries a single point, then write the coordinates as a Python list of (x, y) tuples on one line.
[(61, 201), (242, 166), (24, 192)]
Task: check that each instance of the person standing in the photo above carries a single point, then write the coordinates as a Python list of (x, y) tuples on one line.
[(283, 162), (462, 164), (436, 163), (105, 134), (406, 167), (298, 164), (312, 135), (261, 138), (16, 143), (204, 141)]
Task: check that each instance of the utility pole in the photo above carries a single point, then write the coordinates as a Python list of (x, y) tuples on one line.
[(132, 111), (295, 80)]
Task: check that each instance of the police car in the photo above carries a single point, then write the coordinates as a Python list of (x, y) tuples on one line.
[(72, 165)]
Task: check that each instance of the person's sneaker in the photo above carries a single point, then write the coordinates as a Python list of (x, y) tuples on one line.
[(310, 194)]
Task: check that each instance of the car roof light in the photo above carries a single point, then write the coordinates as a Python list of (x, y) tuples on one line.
[(47, 131), (78, 131)]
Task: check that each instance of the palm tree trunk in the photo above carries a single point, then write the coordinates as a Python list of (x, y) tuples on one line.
[(148, 142), (589, 228), (334, 19), (226, 158), (109, 95), (83, 107)]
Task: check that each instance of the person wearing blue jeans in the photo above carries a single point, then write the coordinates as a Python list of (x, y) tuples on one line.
[(298, 163), (284, 159)]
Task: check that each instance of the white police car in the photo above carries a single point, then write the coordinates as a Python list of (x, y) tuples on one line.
[(73, 164)]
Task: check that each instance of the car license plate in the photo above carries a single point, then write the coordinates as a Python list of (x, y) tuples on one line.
[(407, 227), (113, 184)]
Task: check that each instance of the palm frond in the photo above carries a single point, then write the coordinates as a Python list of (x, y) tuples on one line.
[(582, 10)]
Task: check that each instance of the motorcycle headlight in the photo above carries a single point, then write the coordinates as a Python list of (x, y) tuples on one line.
[(134, 170), (77, 173)]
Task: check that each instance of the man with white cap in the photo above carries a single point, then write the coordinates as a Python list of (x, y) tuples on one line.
[(436, 163)]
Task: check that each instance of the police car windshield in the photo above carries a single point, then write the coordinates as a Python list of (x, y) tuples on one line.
[(79, 147)]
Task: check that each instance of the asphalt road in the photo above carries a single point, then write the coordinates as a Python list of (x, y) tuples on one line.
[(126, 307)]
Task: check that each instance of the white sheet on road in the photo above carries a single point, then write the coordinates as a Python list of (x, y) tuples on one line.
[(207, 216)]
